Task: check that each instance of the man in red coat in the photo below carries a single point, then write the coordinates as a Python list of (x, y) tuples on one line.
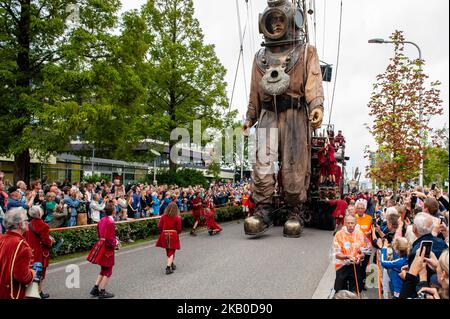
[(106, 246), (16, 256), (40, 242), (196, 212), (339, 212)]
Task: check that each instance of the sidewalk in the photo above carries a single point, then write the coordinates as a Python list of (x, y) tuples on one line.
[(325, 288)]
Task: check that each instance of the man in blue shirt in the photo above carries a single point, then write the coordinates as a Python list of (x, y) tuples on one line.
[(70, 198), (136, 201)]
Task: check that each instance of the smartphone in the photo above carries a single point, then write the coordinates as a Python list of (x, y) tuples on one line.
[(427, 245), (413, 201), (433, 186)]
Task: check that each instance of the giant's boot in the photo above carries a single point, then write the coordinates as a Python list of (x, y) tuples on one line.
[(293, 227), (260, 222)]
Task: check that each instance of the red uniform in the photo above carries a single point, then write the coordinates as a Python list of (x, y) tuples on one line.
[(198, 208), (245, 200), (337, 172), (251, 206), (321, 156), (331, 151), (22, 274), (103, 251), (169, 228), (40, 243), (339, 139), (339, 211), (210, 211)]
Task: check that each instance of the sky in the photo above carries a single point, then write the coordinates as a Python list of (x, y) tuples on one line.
[(425, 23)]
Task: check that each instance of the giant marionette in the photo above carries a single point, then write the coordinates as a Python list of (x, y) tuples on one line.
[(286, 95)]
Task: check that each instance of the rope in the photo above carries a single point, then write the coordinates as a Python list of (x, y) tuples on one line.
[(241, 53), (12, 273), (337, 64)]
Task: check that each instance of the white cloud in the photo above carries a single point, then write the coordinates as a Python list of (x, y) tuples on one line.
[(425, 23)]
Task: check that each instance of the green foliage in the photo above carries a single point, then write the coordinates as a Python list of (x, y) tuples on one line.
[(183, 177), (82, 239), (186, 77), (45, 75), (96, 178), (435, 166), (214, 170)]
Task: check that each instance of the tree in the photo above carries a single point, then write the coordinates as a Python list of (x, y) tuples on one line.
[(436, 161), (398, 97), (119, 88), (44, 63), (187, 78), (214, 170)]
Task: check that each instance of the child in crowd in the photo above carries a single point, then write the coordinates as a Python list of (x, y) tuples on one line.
[(170, 226), (209, 212), (401, 249)]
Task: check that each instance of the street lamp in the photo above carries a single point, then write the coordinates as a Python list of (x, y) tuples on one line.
[(379, 41), (154, 164)]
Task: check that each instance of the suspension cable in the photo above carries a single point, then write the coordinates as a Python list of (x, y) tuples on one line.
[(241, 52), (323, 47), (337, 64)]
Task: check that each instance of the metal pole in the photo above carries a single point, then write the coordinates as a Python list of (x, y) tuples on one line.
[(154, 171), (242, 158), (420, 120), (92, 160)]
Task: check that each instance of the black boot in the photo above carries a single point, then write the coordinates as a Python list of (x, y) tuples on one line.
[(44, 295), (105, 295), (169, 270), (94, 291), (173, 266)]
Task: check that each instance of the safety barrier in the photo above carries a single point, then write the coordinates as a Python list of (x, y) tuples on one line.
[(81, 238), (132, 220)]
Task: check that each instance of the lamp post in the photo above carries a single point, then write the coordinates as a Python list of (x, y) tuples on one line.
[(156, 153), (380, 41)]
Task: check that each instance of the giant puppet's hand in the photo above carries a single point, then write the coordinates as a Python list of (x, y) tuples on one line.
[(316, 118)]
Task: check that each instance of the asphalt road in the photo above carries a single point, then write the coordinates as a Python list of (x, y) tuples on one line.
[(228, 265)]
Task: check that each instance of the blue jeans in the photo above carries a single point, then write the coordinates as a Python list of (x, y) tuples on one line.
[(2, 229), (73, 221)]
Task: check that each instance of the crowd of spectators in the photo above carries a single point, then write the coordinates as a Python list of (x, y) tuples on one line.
[(73, 204), (391, 231)]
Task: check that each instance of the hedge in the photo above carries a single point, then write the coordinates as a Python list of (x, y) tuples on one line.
[(82, 239)]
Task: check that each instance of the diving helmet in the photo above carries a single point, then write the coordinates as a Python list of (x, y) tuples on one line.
[(281, 22)]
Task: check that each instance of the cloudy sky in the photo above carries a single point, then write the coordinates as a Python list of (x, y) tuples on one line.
[(424, 22)]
